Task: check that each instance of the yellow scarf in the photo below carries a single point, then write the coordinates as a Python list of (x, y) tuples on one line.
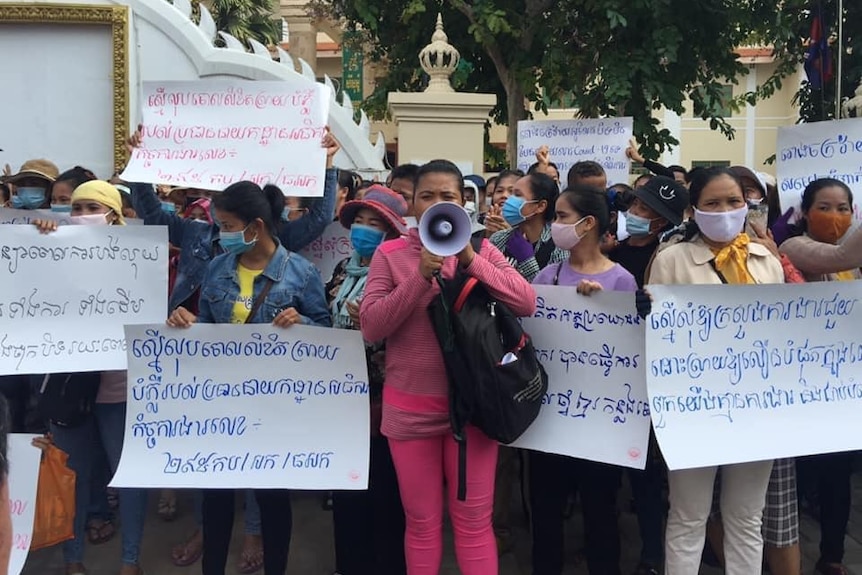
[(731, 260)]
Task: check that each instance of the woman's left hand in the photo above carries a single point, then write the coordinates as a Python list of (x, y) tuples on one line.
[(287, 318), (587, 287), (764, 238)]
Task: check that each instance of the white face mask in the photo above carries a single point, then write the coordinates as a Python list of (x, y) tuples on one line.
[(721, 227), (470, 207), (91, 220)]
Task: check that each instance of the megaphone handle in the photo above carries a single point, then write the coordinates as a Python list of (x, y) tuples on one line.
[(439, 277)]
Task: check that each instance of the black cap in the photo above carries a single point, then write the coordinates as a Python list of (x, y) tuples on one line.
[(666, 197)]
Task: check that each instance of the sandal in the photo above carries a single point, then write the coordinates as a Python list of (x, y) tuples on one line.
[(168, 505), (100, 531), (251, 558), (113, 498), (190, 551)]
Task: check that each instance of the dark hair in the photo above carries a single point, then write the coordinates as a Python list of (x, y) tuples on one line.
[(699, 181), (543, 187), (620, 197), (532, 169), (509, 174), (810, 194), (5, 192), (589, 201), (690, 175), (349, 180), (76, 176), (676, 168), (247, 201), (773, 205), (403, 172), (584, 169), (439, 167), (491, 180)]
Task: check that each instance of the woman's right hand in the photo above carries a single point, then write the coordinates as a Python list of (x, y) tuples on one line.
[(633, 153), (182, 318), (45, 226)]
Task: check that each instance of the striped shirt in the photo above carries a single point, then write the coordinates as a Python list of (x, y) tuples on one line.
[(529, 268), (415, 392)]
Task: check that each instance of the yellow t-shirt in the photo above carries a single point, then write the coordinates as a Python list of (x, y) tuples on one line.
[(243, 303), (845, 276)]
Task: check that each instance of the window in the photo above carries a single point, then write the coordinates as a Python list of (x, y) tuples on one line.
[(722, 108), (710, 164)]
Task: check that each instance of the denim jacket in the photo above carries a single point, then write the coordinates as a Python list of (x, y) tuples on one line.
[(197, 240), (297, 284)]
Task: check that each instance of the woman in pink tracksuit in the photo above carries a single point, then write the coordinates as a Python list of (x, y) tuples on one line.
[(415, 406)]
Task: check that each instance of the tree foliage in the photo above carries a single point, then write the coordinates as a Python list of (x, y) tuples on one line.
[(244, 19), (608, 57)]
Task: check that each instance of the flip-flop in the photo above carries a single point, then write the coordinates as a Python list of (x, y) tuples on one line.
[(251, 560), (100, 532), (185, 559), (168, 508)]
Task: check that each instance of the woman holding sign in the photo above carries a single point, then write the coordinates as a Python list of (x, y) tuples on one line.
[(369, 525), (256, 280), (582, 220), (101, 400), (715, 250), (827, 215)]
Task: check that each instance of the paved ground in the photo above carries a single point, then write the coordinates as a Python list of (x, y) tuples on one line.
[(312, 549)]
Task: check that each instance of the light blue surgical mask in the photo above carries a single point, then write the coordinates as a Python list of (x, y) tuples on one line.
[(637, 226), (365, 239), (61, 208), (234, 242), (29, 198), (512, 210), (169, 207)]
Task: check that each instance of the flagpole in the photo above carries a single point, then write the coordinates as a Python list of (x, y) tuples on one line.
[(840, 59)]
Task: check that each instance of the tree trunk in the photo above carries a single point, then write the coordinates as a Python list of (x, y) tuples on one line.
[(515, 111)]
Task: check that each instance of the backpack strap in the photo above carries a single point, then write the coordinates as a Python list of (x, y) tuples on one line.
[(462, 467), (543, 254), (557, 274), (718, 273), (258, 301)]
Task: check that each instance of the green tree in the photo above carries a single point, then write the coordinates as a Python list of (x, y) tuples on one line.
[(608, 57), (244, 19)]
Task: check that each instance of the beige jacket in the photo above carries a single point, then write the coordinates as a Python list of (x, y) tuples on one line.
[(688, 263), (819, 261)]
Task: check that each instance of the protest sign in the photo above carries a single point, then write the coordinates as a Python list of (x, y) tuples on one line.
[(13, 216), (23, 481), (807, 152), (751, 373), (66, 295), (570, 141), (592, 349), (246, 406), (332, 246), (211, 133)]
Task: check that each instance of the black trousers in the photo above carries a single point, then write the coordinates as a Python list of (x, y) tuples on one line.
[(276, 522), (369, 525), (552, 479), (829, 475)]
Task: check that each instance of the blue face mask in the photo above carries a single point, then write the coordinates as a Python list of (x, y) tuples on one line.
[(285, 214), (365, 239), (61, 208), (512, 210), (234, 242), (169, 207), (637, 226), (29, 198)]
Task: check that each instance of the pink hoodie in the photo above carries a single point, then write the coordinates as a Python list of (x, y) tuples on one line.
[(395, 308)]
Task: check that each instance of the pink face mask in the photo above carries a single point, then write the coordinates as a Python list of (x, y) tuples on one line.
[(91, 220), (566, 236)]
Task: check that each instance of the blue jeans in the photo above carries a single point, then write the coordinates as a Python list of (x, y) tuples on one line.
[(103, 431)]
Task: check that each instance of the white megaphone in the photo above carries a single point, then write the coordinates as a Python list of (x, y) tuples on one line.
[(445, 229)]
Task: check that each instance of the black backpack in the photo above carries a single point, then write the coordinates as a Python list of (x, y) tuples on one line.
[(495, 381), (67, 399)]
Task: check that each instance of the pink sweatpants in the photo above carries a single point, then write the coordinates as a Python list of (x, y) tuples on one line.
[(422, 466)]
